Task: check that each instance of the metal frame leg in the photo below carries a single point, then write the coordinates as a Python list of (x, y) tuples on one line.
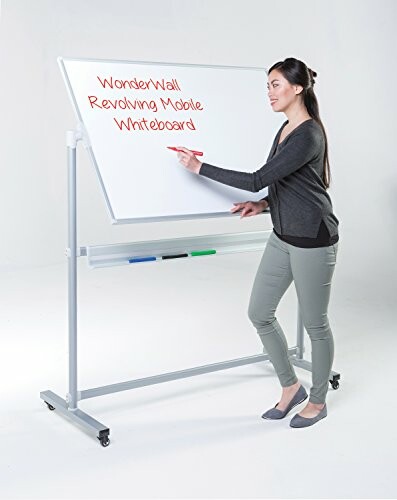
[(72, 279), (68, 406)]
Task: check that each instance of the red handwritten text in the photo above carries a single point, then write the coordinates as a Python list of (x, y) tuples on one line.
[(143, 124), (136, 84)]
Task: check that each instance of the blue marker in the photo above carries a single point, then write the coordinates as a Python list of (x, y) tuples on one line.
[(140, 259)]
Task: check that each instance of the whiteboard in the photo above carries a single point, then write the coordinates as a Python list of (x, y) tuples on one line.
[(131, 111)]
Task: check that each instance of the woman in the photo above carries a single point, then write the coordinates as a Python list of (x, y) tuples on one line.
[(303, 245)]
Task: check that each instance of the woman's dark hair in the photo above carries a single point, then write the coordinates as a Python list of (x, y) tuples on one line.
[(297, 73)]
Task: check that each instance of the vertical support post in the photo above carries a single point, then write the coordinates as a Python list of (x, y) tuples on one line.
[(300, 333), (72, 269)]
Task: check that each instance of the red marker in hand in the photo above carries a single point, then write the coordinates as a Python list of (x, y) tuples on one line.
[(197, 153)]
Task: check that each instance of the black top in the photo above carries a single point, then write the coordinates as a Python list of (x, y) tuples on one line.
[(323, 239)]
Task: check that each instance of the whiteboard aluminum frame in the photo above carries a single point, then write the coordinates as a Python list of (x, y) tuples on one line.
[(90, 152)]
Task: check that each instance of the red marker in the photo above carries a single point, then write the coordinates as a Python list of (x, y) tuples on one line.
[(197, 153)]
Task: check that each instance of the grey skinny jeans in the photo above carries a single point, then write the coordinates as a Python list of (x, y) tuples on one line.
[(311, 269)]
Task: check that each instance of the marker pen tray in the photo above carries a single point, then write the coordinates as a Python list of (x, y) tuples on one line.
[(119, 254)]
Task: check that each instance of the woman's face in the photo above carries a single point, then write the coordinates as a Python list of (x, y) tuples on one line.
[(280, 92)]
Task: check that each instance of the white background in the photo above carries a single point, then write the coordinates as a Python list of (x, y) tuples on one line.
[(201, 437)]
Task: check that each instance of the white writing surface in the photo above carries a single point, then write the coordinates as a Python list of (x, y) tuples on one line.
[(132, 111)]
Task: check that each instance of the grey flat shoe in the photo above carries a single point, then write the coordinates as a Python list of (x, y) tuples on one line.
[(276, 414), (298, 421)]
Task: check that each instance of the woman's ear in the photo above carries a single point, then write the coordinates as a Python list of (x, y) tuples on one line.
[(298, 89)]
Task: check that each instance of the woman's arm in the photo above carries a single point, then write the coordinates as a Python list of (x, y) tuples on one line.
[(299, 150)]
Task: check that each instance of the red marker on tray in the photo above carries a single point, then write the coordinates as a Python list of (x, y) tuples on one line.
[(197, 153)]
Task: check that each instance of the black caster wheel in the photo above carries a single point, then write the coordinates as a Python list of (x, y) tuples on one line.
[(335, 382), (50, 407), (104, 441), (104, 438)]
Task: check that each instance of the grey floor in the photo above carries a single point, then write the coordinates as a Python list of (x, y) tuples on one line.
[(200, 437)]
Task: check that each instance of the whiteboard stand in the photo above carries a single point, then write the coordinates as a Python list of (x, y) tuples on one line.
[(100, 256)]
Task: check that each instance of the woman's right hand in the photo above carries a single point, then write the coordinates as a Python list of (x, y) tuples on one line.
[(250, 208)]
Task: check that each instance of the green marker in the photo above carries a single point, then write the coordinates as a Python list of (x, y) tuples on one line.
[(202, 252)]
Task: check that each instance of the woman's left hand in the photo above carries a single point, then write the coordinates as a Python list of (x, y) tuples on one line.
[(188, 160)]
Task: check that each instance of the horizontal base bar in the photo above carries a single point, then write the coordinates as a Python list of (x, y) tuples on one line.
[(166, 377), (102, 432)]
